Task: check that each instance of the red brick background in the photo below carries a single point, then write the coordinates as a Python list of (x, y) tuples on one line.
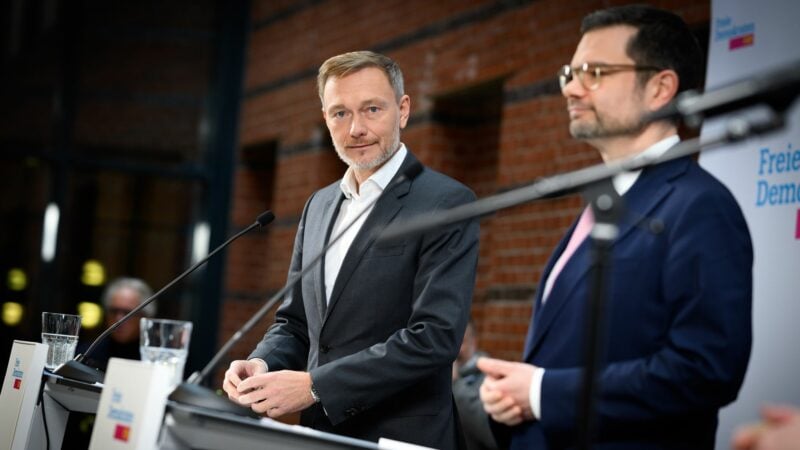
[(485, 110)]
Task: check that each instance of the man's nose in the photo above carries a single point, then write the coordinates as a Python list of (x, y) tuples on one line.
[(573, 89), (357, 128)]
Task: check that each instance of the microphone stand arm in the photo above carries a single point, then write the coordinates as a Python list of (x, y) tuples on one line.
[(192, 393), (76, 369), (737, 129), (607, 208), (142, 305)]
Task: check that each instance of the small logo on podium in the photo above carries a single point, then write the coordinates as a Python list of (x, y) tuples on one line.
[(745, 40), (122, 432), (17, 374), (737, 33), (121, 416)]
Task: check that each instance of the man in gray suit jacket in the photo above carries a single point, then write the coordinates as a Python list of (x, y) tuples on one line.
[(364, 344)]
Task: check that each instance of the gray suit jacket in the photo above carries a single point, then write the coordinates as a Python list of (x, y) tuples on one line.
[(380, 353)]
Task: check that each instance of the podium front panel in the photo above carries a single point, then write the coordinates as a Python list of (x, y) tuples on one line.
[(74, 395), (189, 427)]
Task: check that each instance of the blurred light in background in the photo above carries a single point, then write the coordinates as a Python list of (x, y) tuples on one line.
[(202, 233), (50, 232), (12, 313), (17, 280), (94, 274), (91, 314)]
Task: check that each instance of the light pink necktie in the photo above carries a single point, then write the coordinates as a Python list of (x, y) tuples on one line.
[(582, 230)]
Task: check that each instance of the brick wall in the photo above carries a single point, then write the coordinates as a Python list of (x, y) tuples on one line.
[(485, 109)]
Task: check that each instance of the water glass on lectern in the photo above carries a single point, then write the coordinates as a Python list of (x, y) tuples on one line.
[(165, 341), (60, 333)]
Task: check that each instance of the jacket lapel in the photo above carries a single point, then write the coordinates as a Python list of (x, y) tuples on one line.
[(652, 187), (330, 212), (382, 213), (533, 327), (571, 274)]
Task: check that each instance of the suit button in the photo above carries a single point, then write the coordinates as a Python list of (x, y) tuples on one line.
[(324, 348), (350, 412)]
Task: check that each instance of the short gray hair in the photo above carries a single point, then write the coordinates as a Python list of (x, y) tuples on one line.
[(135, 284)]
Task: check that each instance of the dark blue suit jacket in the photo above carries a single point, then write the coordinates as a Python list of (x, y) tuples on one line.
[(678, 320)]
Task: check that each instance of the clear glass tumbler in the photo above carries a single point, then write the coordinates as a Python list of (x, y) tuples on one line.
[(164, 341), (60, 333)]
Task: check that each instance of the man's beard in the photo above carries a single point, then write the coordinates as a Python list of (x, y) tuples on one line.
[(383, 156), (604, 128)]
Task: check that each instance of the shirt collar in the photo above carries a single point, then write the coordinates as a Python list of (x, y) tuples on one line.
[(625, 180), (381, 177)]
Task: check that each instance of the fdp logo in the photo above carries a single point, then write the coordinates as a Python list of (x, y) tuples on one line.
[(738, 35), (16, 374), (122, 432), (122, 416)]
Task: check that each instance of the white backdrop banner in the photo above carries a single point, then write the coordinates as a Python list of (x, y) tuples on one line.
[(750, 38)]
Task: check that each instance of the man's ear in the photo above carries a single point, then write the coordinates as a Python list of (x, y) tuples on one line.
[(662, 88), (405, 110)]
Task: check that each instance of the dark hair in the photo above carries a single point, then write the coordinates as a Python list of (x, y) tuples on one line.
[(663, 40)]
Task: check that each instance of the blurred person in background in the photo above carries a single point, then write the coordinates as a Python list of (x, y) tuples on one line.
[(119, 298)]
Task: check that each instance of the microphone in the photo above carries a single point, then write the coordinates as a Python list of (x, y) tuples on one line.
[(777, 88), (75, 369), (192, 393)]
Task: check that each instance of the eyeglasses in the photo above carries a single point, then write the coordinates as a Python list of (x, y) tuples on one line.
[(589, 74)]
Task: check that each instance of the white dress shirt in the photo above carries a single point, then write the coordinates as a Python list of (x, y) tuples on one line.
[(622, 183), (357, 199)]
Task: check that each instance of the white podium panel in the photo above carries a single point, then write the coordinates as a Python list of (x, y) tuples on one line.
[(20, 392), (131, 406)]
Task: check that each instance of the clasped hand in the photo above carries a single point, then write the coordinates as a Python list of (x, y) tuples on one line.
[(505, 391), (272, 393)]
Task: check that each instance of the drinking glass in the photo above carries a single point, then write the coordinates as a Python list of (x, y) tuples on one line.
[(164, 341), (60, 333)]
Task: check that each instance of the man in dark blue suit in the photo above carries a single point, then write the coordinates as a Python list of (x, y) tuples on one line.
[(678, 314)]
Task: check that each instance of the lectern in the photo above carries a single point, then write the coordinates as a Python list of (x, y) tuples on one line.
[(61, 396), (189, 427)]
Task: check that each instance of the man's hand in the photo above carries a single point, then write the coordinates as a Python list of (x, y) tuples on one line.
[(499, 406), (505, 391), (240, 370), (779, 430), (276, 393)]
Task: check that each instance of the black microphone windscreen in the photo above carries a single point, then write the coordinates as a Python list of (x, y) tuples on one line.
[(265, 218), (413, 170)]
